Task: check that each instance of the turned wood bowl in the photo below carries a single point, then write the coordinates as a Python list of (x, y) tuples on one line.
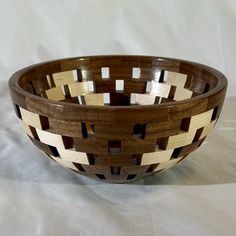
[(118, 118)]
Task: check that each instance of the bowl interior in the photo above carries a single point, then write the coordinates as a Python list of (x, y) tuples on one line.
[(118, 81)]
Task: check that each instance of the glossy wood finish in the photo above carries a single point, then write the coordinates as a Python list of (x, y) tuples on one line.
[(118, 118)]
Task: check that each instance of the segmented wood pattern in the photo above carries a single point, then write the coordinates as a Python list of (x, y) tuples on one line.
[(118, 118)]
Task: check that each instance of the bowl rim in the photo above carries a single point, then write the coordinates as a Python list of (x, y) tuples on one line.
[(221, 84)]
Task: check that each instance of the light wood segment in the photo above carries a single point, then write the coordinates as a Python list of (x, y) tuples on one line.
[(50, 138), (27, 129), (181, 139), (158, 89), (77, 89), (174, 78), (156, 157), (73, 156), (30, 118), (200, 120), (142, 99), (181, 94), (94, 99), (207, 129), (63, 78), (42, 147), (55, 94), (167, 164)]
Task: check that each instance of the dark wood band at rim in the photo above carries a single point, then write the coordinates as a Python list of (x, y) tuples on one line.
[(110, 114)]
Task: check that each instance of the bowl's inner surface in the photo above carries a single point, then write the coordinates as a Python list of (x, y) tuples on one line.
[(115, 81)]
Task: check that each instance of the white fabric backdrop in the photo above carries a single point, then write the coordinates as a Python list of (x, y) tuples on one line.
[(38, 197), (203, 31)]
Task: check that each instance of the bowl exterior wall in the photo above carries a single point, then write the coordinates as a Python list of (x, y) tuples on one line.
[(117, 144)]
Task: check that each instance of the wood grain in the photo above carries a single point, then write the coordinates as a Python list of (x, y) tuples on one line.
[(118, 118)]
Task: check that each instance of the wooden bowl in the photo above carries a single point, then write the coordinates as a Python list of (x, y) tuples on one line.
[(118, 118)]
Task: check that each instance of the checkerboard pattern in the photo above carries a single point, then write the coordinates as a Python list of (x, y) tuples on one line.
[(96, 150), (64, 86)]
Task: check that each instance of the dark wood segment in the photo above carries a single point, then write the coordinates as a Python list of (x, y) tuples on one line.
[(135, 86), (102, 86), (136, 145), (65, 128), (40, 84), (156, 127), (108, 131), (91, 145), (116, 159)]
